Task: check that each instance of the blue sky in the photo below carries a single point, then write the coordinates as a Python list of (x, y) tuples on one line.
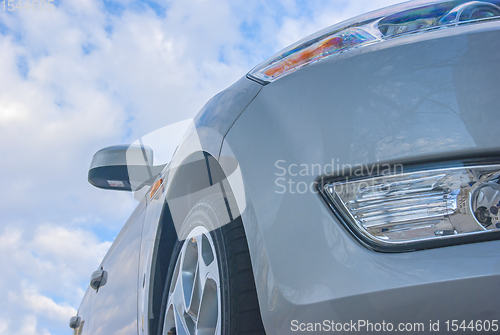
[(94, 73)]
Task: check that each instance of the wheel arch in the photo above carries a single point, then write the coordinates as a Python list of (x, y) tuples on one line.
[(198, 176)]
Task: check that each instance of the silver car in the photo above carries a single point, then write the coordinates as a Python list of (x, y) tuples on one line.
[(350, 183)]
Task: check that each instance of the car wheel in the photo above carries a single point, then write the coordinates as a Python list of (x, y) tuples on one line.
[(210, 287)]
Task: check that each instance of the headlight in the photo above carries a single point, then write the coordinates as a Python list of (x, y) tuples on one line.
[(420, 209), (373, 28)]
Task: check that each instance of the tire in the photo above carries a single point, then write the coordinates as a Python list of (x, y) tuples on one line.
[(234, 308)]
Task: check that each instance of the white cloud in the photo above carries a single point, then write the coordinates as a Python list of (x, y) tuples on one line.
[(44, 273), (46, 307), (77, 79), (28, 326)]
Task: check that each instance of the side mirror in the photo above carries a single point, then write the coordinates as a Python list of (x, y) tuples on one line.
[(123, 167)]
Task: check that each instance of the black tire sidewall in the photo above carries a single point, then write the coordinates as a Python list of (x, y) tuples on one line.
[(203, 215)]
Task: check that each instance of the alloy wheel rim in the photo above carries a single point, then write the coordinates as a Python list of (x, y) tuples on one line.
[(193, 305)]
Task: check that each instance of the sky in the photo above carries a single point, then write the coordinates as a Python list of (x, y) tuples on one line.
[(95, 73)]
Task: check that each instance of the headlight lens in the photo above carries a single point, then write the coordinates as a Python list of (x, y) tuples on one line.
[(408, 209), (303, 55), (372, 28)]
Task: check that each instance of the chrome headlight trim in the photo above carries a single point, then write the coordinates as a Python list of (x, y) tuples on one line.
[(399, 20)]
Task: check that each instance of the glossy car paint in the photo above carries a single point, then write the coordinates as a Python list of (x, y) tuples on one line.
[(218, 115), (113, 308), (414, 96), (84, 312), (210, 126)]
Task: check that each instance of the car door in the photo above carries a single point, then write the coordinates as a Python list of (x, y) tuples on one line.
[(147, 258), (114, 305), (84, 313)]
